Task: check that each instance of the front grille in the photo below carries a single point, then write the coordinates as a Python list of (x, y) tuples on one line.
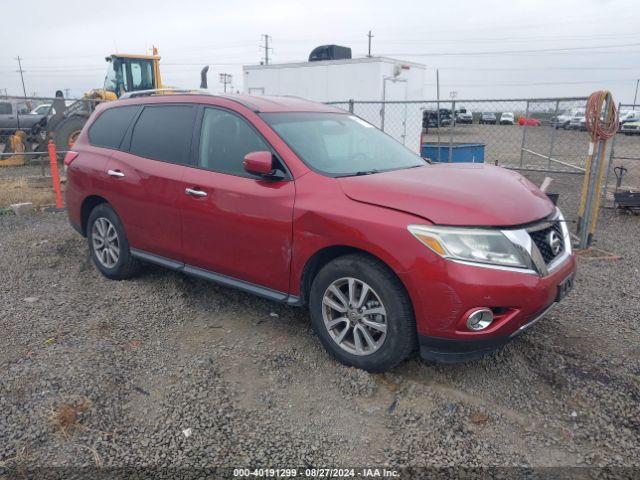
[(542, 237)]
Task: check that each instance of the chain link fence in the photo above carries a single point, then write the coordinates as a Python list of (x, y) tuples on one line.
[(539, 137), (26, 126), (623, 174), (539, 134)]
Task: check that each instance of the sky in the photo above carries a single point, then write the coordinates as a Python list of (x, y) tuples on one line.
[(482, 49)]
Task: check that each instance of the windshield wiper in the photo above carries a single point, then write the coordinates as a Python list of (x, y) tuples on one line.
[(360, 173)]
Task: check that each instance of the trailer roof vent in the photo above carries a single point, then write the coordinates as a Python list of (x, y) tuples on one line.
[(329, 52)]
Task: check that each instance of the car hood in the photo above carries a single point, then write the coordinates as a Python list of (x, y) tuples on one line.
[(454, 194)]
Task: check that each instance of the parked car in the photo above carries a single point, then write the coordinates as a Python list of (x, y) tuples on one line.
[(627, 116), (44, 109), (507, 118), (563, 119), (533, 122), (15, 115), (577, 122), (305, 204), (430, 118), (464, 116), (631, 128), (488, 118)]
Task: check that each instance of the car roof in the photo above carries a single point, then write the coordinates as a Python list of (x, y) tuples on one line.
[(269, 103), (256, 103)]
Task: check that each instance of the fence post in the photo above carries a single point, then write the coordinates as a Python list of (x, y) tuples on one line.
[(553, 134), (55, 176), (592, 183), (351, 105), (453, 119), (524, 134), (612, 154)]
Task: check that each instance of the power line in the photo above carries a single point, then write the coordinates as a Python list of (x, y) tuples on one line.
[(531, 84), (266, 47), (510, 39), (521, 69), (513, 52)]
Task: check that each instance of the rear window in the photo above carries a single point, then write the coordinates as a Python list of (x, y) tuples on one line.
[(109, 128), (163, 132)]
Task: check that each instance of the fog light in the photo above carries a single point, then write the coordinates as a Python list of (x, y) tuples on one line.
[(480, 319)]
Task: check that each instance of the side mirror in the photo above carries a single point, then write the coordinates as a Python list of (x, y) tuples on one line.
[(259, 163)]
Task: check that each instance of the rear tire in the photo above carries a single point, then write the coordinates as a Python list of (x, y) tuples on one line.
[(108, 244), (384, 341)]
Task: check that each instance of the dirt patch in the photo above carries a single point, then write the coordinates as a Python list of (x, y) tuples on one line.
[(66, 416), (17, 190)]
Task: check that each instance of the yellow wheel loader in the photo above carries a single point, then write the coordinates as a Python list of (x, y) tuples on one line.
[(126, 73)]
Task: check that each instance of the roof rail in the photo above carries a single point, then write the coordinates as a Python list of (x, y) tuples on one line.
[(162, 91)]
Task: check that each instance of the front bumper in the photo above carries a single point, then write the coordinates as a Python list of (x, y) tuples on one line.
[(445, 350), (440, 310)]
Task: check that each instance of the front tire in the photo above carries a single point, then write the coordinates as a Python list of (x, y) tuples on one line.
[(362, 313), (108, 244), (66, 132)]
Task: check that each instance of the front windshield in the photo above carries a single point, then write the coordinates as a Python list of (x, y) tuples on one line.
[(337, 144)]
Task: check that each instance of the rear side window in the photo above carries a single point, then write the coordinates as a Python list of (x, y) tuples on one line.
[(5, 108), (109, 128), (163, 132)]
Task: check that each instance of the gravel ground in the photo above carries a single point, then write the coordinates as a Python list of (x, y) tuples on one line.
[(97, 372)]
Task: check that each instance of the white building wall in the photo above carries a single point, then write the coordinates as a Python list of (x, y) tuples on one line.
[(332, 81), (356, 79)]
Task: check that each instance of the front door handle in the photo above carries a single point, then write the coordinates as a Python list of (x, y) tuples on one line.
[(115, 173), (195, 193)]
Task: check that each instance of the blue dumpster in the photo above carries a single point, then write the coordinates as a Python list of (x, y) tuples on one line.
[(460, 152)]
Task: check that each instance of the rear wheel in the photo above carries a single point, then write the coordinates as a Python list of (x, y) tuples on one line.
[(108, 244), (362, 314)]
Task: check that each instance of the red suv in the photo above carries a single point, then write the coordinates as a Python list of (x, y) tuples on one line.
[(306, 204)]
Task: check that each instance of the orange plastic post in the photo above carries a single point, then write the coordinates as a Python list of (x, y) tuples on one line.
[(55, 176)]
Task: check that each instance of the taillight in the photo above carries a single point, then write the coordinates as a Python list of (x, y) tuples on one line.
[(70, 157)]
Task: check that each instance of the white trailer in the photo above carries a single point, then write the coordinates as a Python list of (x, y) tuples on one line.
[(362, 79)]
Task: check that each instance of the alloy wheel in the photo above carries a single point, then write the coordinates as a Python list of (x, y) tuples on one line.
[(106, 244), (354, 316)]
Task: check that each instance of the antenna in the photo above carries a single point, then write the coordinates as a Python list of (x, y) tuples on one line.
[(370, 37)]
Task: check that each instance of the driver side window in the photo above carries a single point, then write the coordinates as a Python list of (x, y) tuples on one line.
[(225, 139)]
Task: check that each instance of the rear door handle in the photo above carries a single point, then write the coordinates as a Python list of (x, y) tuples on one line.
[(115, 173), (195, 193)]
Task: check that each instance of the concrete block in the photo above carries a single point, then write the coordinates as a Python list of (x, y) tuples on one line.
[(22, 208)]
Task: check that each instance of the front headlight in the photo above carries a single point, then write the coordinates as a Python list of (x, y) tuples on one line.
[(471, 245)]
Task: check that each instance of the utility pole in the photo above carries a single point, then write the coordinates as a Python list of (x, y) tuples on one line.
[(266, 47), (635, 97), (24, 90), (225, 79), (66, 93), (370, 37)]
